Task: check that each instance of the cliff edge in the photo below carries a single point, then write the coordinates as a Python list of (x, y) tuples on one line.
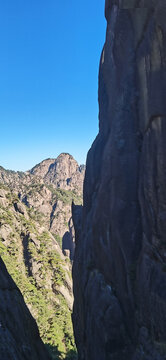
[(119, 269)]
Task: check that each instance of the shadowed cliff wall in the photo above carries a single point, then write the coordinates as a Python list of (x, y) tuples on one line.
[(119, 270)]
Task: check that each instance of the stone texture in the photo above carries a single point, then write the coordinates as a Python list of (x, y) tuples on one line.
[(19, 335), (120, 260), (63, 172), (48, 188)]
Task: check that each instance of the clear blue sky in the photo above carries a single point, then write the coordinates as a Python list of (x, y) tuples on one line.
[(50, 51)]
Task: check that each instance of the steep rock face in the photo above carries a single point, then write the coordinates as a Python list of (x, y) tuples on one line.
[(120, 260), (49, 189), (63, 172), (19, 335)]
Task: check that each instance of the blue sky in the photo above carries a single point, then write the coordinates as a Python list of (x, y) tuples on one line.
[(49, 61)]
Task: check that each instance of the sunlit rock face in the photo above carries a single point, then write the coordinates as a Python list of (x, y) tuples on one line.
[(48, 189), (119, 270), (19, 335)]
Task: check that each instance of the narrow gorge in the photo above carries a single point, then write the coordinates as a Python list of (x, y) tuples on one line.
[(119, 268)]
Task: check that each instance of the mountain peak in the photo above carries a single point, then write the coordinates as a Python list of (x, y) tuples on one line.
[(62, 172)]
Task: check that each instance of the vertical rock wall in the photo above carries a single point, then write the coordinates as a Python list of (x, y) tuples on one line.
[(119, 270)]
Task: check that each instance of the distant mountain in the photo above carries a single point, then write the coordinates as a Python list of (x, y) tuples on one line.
[(49, 189), (63, 172), (35, 224)]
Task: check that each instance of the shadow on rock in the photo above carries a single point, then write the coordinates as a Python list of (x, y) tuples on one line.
[(71, 355), (56, 355)]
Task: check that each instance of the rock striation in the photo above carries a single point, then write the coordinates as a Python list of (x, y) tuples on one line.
[(19, 335), (119, 269)]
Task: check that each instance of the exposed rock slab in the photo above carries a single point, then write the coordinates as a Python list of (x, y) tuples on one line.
[(120, 260), (63, 172)]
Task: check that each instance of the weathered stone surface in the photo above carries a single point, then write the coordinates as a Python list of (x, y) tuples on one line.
[(120, 261), (48, 189), (63, 172), (19, 335), (21, 209)]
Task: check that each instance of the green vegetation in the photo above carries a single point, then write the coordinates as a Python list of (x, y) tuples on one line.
[(33, 188), (39, 271), (2, 186), (66, 196), (6, 217), (34, 260), (35, 215), (15, 174), (53, 351), (28, 224), (58, 238)]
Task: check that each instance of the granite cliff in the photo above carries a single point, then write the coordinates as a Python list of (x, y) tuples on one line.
[(119, 268)]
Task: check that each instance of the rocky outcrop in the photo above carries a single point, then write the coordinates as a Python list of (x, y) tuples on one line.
[(19, 335), (120, 260), (63, 172), (48, 189)]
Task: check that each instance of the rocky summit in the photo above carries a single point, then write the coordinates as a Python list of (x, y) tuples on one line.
[(37, 247), (119, 269), (63, 172), (48, 189)]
